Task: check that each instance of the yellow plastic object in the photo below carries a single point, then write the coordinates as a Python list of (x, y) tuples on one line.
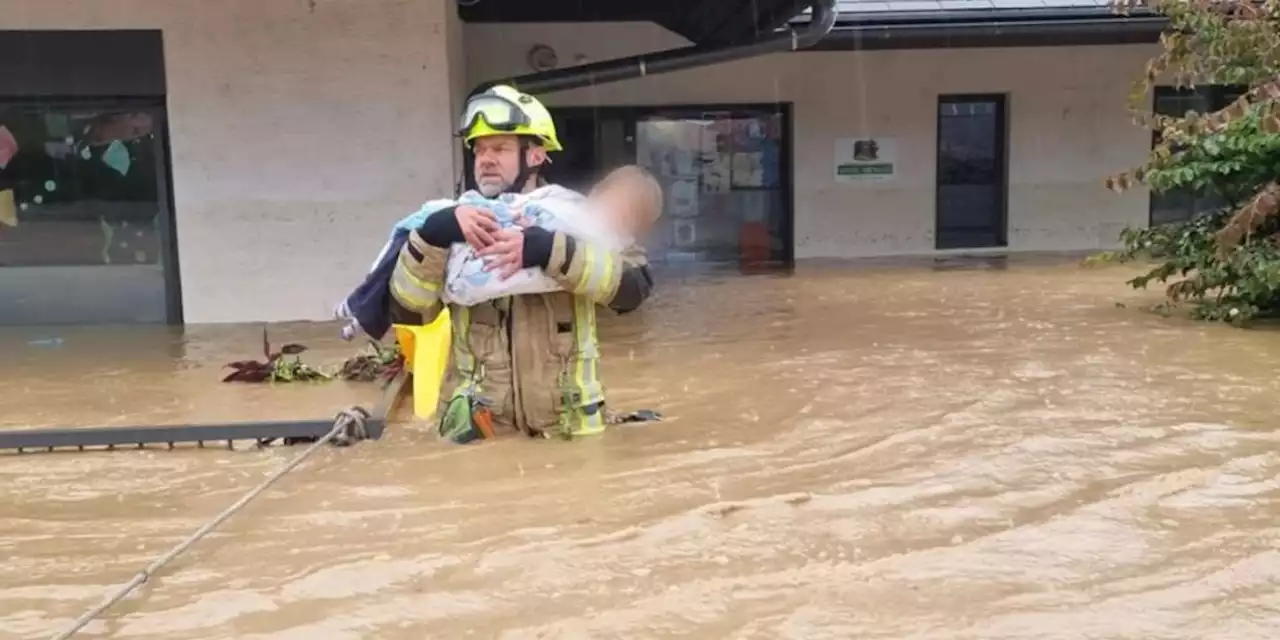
[(426, 356)]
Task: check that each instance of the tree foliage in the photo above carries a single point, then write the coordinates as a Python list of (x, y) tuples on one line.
[(1226, 263)]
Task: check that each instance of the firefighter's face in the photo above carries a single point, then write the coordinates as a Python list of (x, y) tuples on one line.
[(497, 165)]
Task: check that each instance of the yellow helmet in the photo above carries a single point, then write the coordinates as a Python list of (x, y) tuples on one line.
[(503, 111)]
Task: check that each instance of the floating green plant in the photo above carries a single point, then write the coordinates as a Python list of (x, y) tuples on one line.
[(277, 367)]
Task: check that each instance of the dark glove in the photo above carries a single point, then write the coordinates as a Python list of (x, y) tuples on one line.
[(538, 244), (441, 229)]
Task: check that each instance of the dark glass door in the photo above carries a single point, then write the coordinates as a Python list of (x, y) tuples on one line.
[(85, 223), (972, 184)]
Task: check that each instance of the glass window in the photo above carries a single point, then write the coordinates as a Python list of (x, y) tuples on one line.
[(1182, 205), (723, 176), (81, 214)]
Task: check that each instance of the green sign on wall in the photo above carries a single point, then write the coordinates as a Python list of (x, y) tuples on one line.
[(865, 159)]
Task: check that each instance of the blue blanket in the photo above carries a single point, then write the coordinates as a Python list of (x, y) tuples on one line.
[(368, 307)]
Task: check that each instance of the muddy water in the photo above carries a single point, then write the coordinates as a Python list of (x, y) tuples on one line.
[(81, 377), (879, 452)]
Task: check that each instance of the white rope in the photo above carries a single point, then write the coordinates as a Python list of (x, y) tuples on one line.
[(348, 425)]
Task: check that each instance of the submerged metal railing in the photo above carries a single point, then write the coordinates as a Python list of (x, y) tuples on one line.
[(263, 432)]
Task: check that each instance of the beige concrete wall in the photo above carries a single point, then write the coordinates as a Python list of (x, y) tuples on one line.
[(300, 130), (1068, 127)]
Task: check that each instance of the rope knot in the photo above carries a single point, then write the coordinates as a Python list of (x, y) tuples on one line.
[(352, 425)]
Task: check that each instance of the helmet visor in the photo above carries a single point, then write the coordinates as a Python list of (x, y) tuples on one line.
[(498, 112)]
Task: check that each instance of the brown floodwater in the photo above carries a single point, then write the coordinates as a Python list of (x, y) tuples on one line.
[(925, 451)]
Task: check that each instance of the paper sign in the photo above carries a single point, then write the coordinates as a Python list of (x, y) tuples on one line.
[(716, 174), (686, 233), (683, 159), (747, 171), (117, 157), (8, 147), (707, 140), (8, 210), (683, 196)]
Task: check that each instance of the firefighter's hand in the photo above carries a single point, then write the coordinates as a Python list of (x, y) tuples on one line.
[(506, 254), (479, 226)]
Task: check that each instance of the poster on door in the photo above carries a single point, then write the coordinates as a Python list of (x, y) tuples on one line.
[(682, 198), (866, 159), (686, 234)]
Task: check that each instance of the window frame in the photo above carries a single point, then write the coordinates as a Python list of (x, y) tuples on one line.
[(1213, 97), (1000, 226)]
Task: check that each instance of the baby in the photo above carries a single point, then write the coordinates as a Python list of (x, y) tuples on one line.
[(631, 199), (620, 209)]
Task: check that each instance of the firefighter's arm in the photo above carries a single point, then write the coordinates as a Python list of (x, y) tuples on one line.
[(587, 269), (419, 274)]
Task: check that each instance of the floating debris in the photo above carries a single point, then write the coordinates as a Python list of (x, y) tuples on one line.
[(276, 367)]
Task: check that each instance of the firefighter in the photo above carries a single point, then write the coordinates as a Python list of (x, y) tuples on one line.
[(527, 363)]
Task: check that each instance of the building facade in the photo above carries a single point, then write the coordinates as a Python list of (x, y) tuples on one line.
[(256, 176)]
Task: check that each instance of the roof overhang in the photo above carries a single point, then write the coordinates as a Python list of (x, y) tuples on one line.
[(983, 25), (862, 25), (703, 22)]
